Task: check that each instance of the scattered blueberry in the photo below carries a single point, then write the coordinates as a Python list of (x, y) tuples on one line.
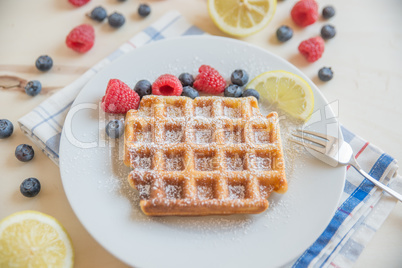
[(33, 88), (233, 91), (190, 92), (328, 12), (325, 74), (116, 20), (98, 14), (30, 187), (143, 88), (44, 63), (144, 10), (251, 93), (24, 152), (328, 31), (6, 128), (239, 77), (115, 129), (284, 33), (186, 79)]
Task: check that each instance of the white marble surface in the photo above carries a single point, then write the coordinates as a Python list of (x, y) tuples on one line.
[(365, 55)]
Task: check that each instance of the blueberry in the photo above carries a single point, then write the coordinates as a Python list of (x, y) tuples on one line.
[(44, 63), (143, 88), (186, 79), (144, 10), (328, 31), (33, 88), (116, 20), (190, 92), (251, 93), (233, 91), (30, 187), (24, 152), (328, 12), (115, 129), (284, 33), (98, 14), (325, 74), (6, 128), (239, 77)]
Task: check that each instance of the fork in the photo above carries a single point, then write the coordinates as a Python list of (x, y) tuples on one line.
[(332, 151)]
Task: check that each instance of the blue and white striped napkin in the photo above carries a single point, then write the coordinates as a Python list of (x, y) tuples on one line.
[(363, 207)]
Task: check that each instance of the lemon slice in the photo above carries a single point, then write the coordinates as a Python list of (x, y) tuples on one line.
[(289, 92), (33, 239), (241, 17)]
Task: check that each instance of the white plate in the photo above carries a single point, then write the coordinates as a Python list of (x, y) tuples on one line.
[(94, 178)]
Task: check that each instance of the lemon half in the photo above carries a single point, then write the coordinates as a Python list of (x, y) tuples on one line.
[(241, 17), (288, 91), (33, 239)]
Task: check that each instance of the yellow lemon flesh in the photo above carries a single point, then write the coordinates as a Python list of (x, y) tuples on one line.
[(241, 17), (289, 92), (33, 239)]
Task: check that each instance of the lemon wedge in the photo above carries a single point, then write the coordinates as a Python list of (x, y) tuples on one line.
[(33, 239), (288, 91), (241, 17)]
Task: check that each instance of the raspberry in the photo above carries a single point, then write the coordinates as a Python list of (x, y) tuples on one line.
[(305, 12), (78, 3), (81, 38), (119, 98), (209, 80), (167, 85), (312, 48)]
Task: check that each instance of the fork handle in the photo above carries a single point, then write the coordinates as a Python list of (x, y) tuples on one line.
[(379, 184)]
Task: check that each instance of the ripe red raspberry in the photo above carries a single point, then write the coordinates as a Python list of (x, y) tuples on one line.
[(167, 85), (119, 98), (81, 38), (312, 48), (305, 12), (209, 80), (78, 3)]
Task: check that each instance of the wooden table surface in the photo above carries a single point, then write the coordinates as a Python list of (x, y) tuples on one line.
[(366, 57)]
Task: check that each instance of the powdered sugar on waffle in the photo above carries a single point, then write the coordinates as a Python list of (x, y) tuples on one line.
[(174, 163), (236, 191), (205, 111), (173, 136), (203, 136), (231, 112), (173, 191), (235, 163), (262, 163), (204, 163), (172, 111), (144, 190), (145, 111), (141, 163), (204, 192), (261, 137)]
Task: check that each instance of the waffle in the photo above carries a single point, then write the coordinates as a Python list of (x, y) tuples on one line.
[(210, 155)]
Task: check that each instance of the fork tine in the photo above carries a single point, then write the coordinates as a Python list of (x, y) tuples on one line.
[(308, 145), (313, 133), (307, 138)]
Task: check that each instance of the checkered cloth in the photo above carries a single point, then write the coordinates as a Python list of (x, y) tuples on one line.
[(363, 207)]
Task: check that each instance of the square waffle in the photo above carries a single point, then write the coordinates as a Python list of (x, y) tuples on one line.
[(210, 155)]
